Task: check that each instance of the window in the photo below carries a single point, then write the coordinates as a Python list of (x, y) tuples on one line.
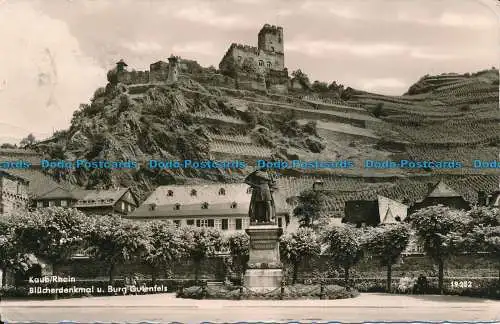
[(177, 223), (202, 222), (239, 223), (249, 190), (57, 203), (51, 203), (210, 223), (204, 205), (268, 64), (234, 204), (280, 222), (152, 207), (170, 193), (123, 206), (193, 192), (239, 58), (261, 63), (222, 192), (225, 224), (64, 203), (272, 48), (190, 222), (177, 206), (39, 204)]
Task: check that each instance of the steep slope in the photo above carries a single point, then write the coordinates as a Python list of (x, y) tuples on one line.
[(205, 116)]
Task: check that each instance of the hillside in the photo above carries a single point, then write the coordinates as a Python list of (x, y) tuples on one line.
[(205, 115)]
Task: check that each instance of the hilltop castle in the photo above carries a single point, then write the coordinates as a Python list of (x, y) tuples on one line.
[(261, 67), (243, 66)]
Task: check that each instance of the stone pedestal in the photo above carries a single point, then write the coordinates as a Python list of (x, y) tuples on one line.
[(264, 267)]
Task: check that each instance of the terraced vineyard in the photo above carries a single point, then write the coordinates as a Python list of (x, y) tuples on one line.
[(410, 190)]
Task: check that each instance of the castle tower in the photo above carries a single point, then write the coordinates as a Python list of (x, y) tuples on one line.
[(121, 65), (173, 69), (271, 39)]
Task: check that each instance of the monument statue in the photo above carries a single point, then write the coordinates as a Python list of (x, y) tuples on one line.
[(262, 209), (264, 269)]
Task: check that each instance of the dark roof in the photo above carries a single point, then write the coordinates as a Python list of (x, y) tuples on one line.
[(122, 62), (441, 189), (361, 211), (11, 175), (99, 198), (58, 193), (39, 183)]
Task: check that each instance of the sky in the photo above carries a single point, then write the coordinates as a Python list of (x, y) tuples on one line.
[(55, 53)]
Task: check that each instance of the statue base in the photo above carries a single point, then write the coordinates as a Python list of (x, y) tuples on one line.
[(264, 267)]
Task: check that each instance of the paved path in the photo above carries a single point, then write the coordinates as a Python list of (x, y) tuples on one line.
[(165, 307)]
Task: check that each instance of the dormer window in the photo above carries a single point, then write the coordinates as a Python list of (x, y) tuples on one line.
[(222, 192), (234, 204), (170, 193), (152, 207), (268, 64), (204, 205), (249, 190), (193, 192), (177, 206)]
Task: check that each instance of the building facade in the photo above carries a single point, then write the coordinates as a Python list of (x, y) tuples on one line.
[(13, 193), (374, 212), (441, 194), (220, 206), (114, 201)]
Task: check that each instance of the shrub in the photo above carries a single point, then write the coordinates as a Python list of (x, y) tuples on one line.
[(298, 291)]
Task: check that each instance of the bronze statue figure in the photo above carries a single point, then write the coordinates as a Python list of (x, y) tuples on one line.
[(262, 209)]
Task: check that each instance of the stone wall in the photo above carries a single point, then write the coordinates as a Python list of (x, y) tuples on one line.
[(239, 53), (476, 265), (211, 268), (215, 79), (133, 77), (13, 194), (250, 82), (471, 265), (277, 81)]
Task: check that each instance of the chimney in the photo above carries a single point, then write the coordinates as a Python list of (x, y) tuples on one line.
[(482, 198)]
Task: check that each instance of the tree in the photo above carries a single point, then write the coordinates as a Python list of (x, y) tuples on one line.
[(297, 247), (28, 140), (53, 233), (309, 208), (344, 247), (432, 225), (482, 234), (378, 110), (386, 243), (302, 78), (239, 244), (115, 241), (199, 243), (319, 86), (8, 146), (165, 247)]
